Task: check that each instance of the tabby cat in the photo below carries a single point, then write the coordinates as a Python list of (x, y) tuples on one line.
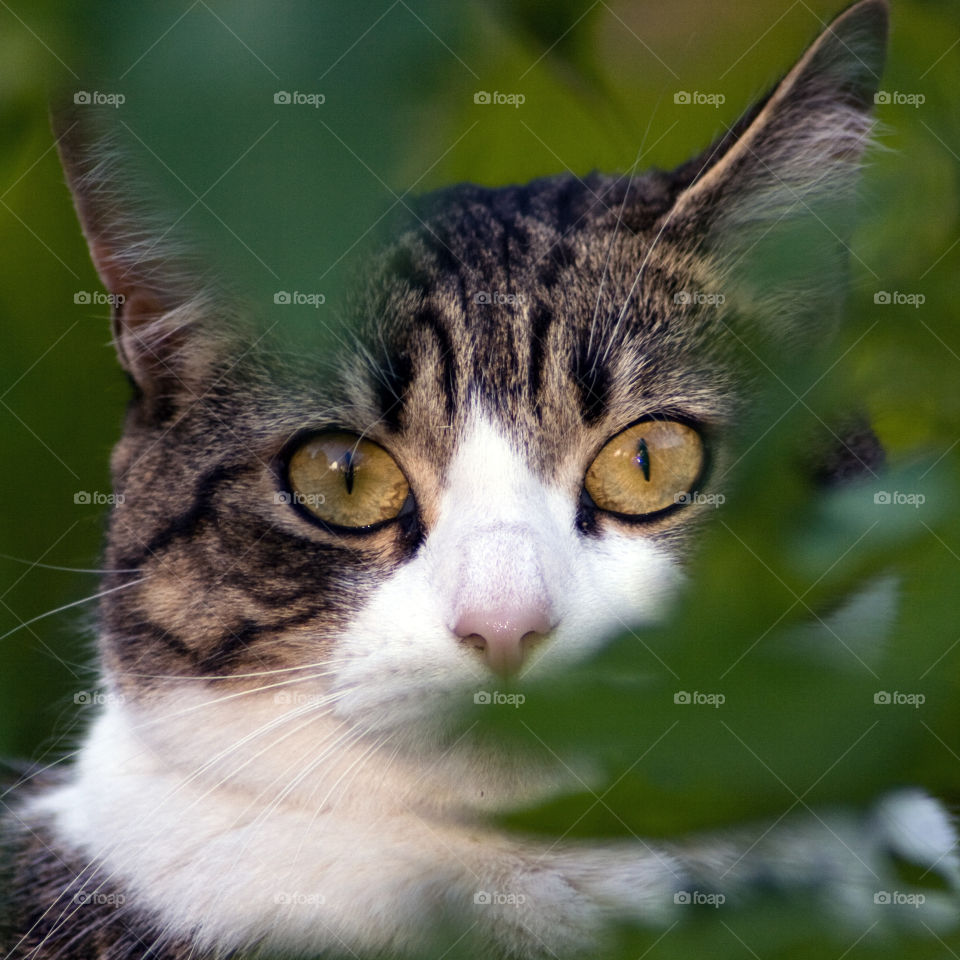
[(312, 563)]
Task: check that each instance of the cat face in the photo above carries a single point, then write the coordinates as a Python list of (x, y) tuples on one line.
[(500, 470), (495, 557)]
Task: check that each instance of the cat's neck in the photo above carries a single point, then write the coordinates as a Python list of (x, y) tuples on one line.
[(231, 845)]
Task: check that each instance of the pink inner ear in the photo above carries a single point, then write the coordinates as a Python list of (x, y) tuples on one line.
[(142, 352)]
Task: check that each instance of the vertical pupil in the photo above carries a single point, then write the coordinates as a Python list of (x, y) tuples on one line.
[(642, 459), (348, 473)]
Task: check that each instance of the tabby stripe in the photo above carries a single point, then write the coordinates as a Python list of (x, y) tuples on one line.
[(429, 318), (186, 523), (150, 636), (402, 265), (232, 642), (593, 382), (561, 255), (564, 202), (540, 319), (392, 381)]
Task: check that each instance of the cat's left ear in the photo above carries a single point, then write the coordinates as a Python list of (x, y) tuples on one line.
[(152, 287), (771, 202)]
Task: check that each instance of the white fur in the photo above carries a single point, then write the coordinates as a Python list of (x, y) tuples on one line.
[(367, 867), (499, 529), (320, 813)]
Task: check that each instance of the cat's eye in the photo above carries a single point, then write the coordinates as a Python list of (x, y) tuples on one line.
[(346, 480), (649, 467)]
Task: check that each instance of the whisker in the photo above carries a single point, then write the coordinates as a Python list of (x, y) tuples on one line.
[(616, 229), (36, 773), (260, 731), (230, 696), (68, 606), (345, 738), (225, 676), (52, 566), (656, 240)]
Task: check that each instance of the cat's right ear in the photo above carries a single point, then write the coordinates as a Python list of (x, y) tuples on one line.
[(147, 279), (772, 201)]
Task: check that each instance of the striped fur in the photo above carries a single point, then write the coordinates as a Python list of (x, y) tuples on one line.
[(278, 689)]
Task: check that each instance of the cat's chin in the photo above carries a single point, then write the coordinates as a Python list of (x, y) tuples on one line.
[(299, 753)]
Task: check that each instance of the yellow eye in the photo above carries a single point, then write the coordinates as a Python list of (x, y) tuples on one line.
[(647, 468), (346, 480)]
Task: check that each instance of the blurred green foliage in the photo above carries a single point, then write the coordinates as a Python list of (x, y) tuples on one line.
[(284, 194)]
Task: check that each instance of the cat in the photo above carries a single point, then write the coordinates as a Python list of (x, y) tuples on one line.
[(311, 562)]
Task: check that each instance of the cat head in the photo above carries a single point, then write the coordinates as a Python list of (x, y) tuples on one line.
[(502, 466)]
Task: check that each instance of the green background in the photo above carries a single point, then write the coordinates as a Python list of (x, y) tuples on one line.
[(285, 195)]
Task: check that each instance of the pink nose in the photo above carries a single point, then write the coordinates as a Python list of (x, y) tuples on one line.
[(504, 635)]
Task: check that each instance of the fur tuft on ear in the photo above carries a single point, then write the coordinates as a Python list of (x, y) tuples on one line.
[(772, 201), (158, 298)]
